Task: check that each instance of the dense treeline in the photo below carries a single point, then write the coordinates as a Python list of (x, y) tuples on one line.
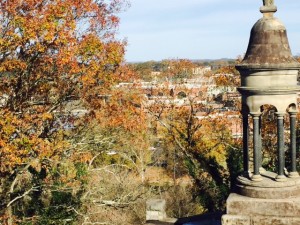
[(145, 70)]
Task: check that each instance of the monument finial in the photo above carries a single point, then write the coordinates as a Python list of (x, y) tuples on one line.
[(268, 2), (268, 7)]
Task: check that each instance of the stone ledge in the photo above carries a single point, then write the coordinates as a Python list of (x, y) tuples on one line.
[(235, 220), (268, 193), (268, 188), (155, 215), (266, 220), (269, 180), (259, 220), (166, 222), (242, 205)]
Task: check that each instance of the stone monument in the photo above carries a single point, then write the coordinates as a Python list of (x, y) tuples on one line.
[(268, 77)]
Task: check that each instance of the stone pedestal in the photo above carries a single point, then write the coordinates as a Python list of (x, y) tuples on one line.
[(267, 202), (268, 187), (242, 210)]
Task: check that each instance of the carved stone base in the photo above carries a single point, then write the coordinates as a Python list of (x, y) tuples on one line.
[(243, 210), (259, 220), (269, 187)]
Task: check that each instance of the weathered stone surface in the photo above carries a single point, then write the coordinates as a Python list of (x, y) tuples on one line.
[(155, 215), (156, 204), (268, 45), (167, 221), (242, 205), (159, 223), (235, 220), (259, 220), (156, 209), (268, 193), (267, 220), (268, 188), (268, 70), (242, 210)]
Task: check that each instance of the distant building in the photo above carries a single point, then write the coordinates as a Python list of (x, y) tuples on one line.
[(201, 70)]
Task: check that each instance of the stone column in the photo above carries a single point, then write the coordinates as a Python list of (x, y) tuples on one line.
[(256, 147), (293, 173), (261, 169), (245, 143), (280, 147)]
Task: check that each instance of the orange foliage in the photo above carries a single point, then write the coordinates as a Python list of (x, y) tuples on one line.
[(227, 76), (55, 54), (181, 68)]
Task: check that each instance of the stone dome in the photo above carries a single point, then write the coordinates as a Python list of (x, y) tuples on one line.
[(268, 46)]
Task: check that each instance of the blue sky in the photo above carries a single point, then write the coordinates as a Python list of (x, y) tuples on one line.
[(198, 29)]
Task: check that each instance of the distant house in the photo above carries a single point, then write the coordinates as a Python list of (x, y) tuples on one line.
[(201, 70)]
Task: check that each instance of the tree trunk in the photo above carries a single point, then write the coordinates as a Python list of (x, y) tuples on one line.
[(9, 214)]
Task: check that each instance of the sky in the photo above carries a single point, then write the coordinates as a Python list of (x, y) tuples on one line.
[(198, 29)]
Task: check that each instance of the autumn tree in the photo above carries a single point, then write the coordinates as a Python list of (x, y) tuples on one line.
[(227, 76), (202, 146), (119, 146), (197, 142), (174, 69), (144, 69), (171, 69), (59, 62)]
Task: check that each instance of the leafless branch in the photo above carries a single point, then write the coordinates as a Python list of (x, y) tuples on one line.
[(22, 196)]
